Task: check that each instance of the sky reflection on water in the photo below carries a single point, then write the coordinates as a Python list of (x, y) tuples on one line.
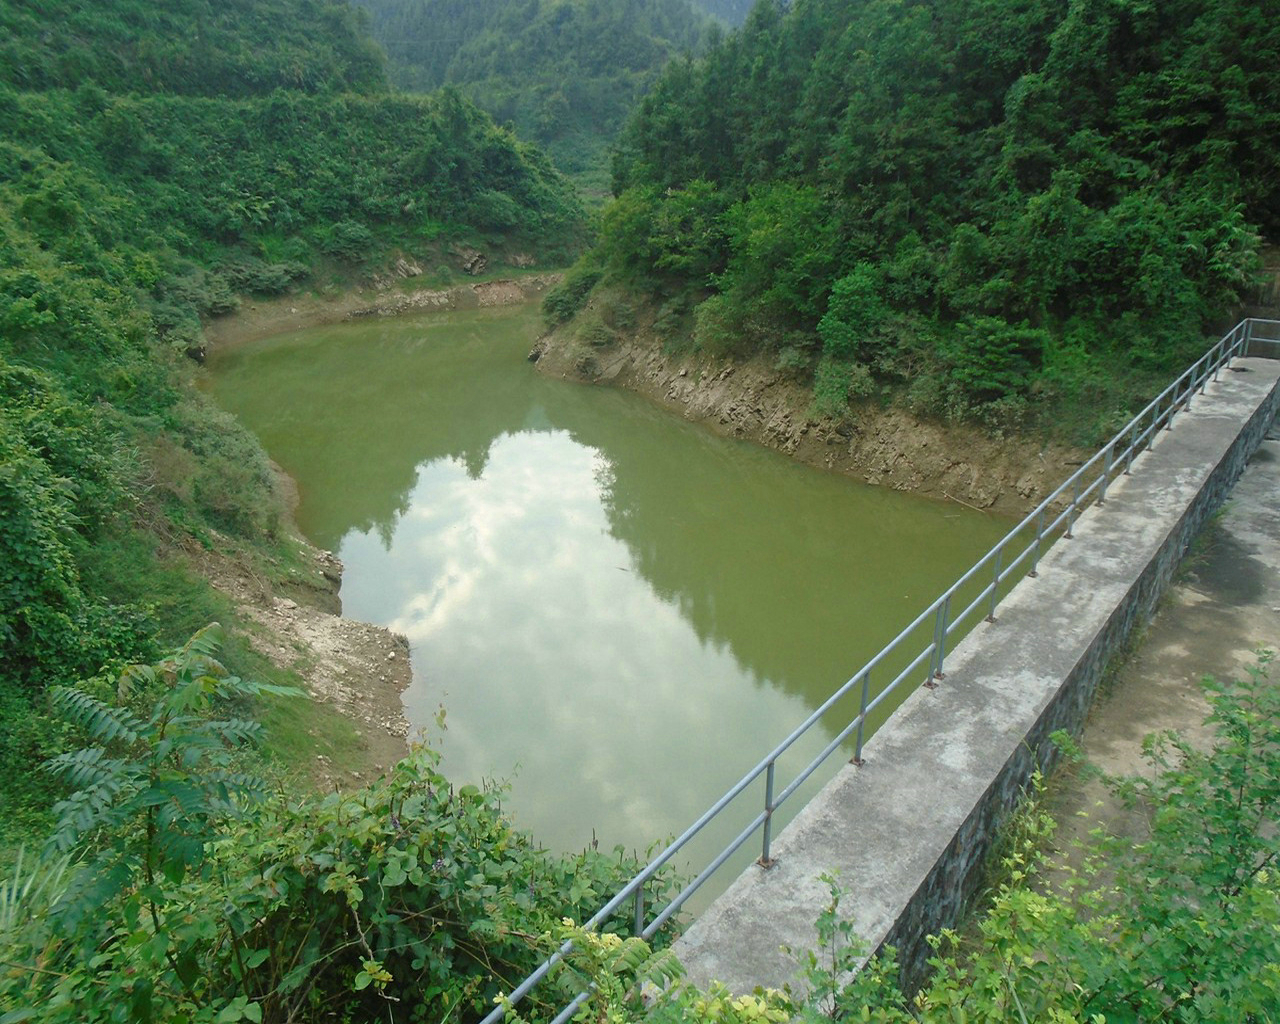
[(620, 611)]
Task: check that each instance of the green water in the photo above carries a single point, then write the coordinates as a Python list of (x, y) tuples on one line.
[(620, 611)]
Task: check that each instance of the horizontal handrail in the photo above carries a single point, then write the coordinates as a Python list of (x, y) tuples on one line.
[(1088, 484)]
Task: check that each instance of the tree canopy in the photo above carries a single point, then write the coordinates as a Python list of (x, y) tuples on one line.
[(1026, 198), (142, 189), (190, 47), (564, 73)]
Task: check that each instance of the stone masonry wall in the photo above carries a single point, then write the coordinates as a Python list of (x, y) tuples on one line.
[(941, 900)]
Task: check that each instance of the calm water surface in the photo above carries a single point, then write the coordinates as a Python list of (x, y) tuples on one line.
[(619, 611)]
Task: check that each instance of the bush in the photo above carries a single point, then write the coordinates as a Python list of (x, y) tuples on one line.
[(836, 381), (854, 315), (258, 277), (411, 891), (563, 301), (991, 359), (347, 240)]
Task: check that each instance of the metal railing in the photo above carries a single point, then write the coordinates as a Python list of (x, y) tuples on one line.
[(954, 611)]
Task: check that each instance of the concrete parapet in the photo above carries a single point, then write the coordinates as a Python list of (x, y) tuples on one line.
[(907, 833)]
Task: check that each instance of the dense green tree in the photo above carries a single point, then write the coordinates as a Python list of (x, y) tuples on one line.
[(1094, 171), (565, 73), (192, 47)]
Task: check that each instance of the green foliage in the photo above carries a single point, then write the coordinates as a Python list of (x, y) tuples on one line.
[(59, 481), (1181, 925), (835, 381), (348, 240), (204, 153), (1058, 165), (148, 791), (570, 295), (855, 312), (626, 980), (233, 48), (991, 359), (564, 73), (410, 892), (783, 251)]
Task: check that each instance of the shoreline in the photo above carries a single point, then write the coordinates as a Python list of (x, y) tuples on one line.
[(888, 447), (359, 669), (260, 318), (362, 670)]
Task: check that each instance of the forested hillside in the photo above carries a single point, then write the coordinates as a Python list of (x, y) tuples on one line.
[(1000, 209), (732, 12), (191, 47), (158, 161), (565, 73)]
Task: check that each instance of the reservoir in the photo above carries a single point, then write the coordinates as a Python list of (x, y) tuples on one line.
[(619, 611)]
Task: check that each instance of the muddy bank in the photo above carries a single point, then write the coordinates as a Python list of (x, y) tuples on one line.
[(262, 318), (357, 668), (360, 670), (889, 447)]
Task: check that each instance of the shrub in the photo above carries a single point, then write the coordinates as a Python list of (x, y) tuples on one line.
[(836, 381), (347, 240), (412, 891), (563, 301), (991, 359)]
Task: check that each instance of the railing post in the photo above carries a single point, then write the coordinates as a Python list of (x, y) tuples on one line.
[(940, 653), (1108, 462), (1071, 510), (862, 720), (639, 929), (1247, 342), (995, 586), (765, 860), (1035, 553)]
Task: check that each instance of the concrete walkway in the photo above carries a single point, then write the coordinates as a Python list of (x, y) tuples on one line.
[(1223, 606), (906, 833)]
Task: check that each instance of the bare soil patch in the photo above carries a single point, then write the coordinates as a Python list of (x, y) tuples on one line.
[(358, 669), (263, 318)]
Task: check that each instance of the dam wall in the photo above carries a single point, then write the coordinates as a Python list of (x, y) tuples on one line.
[(908, 832)]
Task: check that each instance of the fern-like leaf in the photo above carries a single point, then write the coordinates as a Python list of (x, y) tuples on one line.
[(90, 808), (82, 768), (663, 969), (250, 688), (103, 722), (235, 732), (629, 957), (207, 642)]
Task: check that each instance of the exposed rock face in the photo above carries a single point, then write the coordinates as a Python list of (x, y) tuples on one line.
[(890, 447), (472, 261), (470, 296), (358, 668)]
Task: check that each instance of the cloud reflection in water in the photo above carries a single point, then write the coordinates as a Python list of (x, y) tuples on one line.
[(555, 661)]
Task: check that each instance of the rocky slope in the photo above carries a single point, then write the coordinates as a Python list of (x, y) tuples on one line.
[(754, 401)]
